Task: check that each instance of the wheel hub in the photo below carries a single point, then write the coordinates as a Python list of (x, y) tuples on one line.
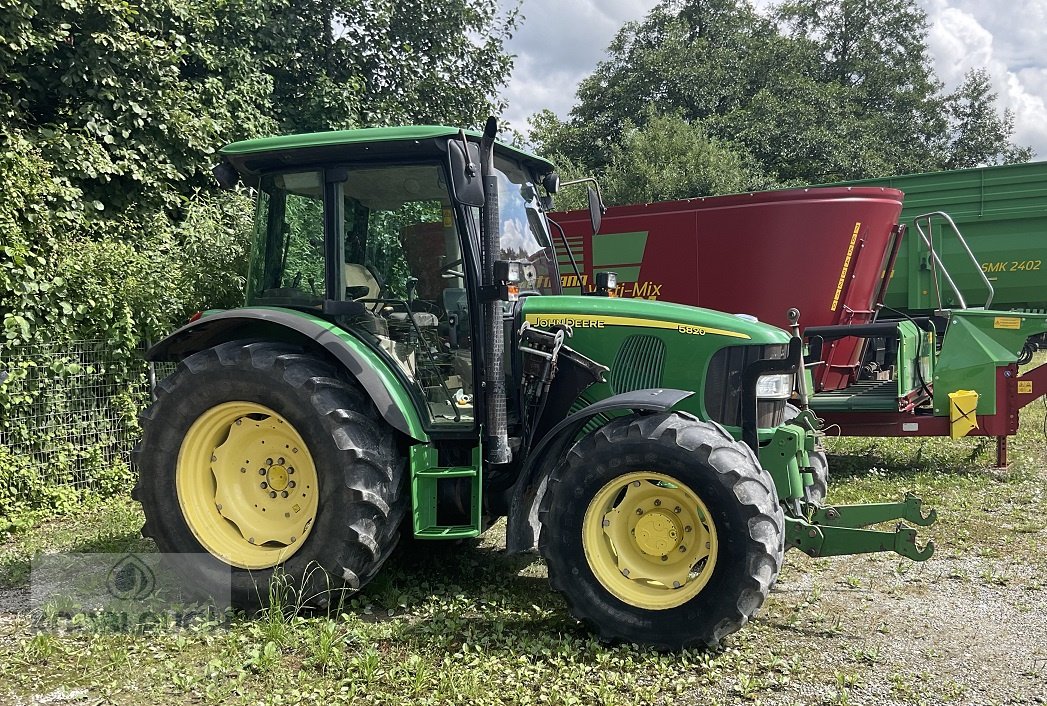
[(657, 533), (277, 477)]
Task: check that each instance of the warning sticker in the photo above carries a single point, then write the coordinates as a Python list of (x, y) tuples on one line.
[(1025, 387), (1007, 322)]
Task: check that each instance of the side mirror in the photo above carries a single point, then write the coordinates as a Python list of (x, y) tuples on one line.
[(466, 186), (595, 210)]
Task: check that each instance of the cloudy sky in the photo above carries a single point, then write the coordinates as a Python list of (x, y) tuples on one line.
[(560, 42)]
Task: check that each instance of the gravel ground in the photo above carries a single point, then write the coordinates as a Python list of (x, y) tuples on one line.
[(950, 630)]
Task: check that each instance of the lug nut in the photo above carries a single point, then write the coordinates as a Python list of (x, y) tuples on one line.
[(657, 502), (290, 469), (665, 557), (687, 528), (290, 484), (283, 494), (261, 471), (213, 457), (682, 549), (677, 584), (272, 493), (625, 573), (280, 461), (243, 470), (268, 461), (264, 485), (639, 511), (677, 509)]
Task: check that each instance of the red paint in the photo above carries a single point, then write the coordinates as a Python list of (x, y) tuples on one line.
[(761, 254)]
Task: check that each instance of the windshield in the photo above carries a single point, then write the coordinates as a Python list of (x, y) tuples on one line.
[(524, 233)]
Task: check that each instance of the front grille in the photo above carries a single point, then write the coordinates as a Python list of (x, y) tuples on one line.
[(723, 385)]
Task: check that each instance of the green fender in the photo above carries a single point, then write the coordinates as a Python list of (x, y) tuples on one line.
[(376, 376)]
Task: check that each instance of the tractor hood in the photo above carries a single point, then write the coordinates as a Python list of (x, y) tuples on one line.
[(659, 318)]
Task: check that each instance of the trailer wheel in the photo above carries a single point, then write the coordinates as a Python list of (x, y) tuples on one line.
[(266, 459), (662, 530), (817, 491)]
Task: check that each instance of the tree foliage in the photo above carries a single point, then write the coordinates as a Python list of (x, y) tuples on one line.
[(978, 133), (111, 112), (671, 158), (816, 91)]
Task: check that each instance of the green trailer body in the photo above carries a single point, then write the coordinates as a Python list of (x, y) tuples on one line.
[(1001, 212)]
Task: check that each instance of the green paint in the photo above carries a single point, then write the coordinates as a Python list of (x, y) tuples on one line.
[(686, 355), (625, 274), (784, 457), (390, 381), (619, 249), (1002, 213), (976, 343), (426, 475), (408, 135), (819, 541), (910, 509), (916, 358)]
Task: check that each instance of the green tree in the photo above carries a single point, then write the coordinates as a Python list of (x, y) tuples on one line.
[(671, 158), (343, 63), (978, 133), (821, 91), (699, 58), (128, 99), (874, 56)]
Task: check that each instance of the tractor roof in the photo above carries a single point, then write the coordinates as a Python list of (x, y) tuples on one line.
[(253, 157)]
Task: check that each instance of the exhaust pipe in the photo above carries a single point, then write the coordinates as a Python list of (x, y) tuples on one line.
[(496, 439)]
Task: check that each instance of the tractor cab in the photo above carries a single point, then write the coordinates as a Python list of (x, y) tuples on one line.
[(381, 248)]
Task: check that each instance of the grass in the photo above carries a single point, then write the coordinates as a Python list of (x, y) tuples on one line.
[(467, 624)]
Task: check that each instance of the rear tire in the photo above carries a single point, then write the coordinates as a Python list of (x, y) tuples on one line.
[(200, 496), (644, 486)]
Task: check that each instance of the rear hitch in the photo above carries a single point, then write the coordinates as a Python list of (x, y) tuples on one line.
[(839, 530)]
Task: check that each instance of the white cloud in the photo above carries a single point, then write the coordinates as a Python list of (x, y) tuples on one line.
[(560, 42), (1005, 41)]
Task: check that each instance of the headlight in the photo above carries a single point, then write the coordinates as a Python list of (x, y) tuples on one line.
[(775, 387)]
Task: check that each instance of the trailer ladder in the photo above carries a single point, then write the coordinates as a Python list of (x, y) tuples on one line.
[(936, 262)]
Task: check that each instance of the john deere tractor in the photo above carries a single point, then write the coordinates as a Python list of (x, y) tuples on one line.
[(406, 364)]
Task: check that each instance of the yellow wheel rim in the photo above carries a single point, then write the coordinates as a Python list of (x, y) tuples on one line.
[(649, 540), (247, 485)]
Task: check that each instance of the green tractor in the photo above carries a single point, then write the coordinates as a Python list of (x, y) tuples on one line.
[(406, 364)]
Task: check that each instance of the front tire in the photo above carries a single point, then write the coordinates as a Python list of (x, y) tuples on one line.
[(268, 460), (662, 530)]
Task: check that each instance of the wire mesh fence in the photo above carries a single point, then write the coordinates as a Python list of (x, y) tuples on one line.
[(68, 412)]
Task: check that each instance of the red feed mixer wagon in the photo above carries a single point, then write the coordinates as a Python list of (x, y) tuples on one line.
[(830, 253)]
